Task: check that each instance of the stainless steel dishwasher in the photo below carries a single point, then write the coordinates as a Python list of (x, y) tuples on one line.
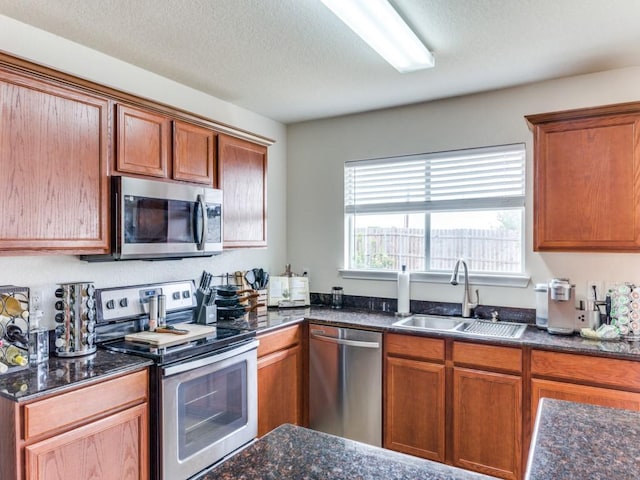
[(345, 382)]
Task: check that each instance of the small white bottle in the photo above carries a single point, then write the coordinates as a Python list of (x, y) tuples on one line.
[(403, 292)]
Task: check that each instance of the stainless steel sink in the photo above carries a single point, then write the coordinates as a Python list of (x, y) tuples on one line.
[(430, 322), (469, 326)]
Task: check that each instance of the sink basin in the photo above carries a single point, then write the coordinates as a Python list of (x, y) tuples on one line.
[(430, 322), (468, 326)]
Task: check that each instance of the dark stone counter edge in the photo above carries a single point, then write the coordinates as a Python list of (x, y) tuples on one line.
[(107, 365), (380, 321)]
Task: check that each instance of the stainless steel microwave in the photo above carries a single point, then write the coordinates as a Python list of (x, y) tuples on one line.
[(152, 219)]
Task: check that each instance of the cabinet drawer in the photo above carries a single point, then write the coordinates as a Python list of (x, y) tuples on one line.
[(414, 347), (488, 356), (80, 406), (279, 340), (585, 369)]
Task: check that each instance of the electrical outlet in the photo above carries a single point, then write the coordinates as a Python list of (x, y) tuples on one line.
[(35, 299)]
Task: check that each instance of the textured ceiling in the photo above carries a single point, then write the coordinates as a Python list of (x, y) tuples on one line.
[(293, 60)]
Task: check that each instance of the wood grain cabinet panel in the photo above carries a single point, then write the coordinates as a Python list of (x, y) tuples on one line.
[(54, 152), (605, 397), (487, 422), (144, 142), (280, 379), (242, 171), (111, 448), (194, 153), (415, 407), (587, 179), (99, 431)]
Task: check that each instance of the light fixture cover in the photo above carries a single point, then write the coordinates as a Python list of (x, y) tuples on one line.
[(380, 26)]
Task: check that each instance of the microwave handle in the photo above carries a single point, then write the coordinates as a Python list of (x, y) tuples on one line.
[(200, 221)]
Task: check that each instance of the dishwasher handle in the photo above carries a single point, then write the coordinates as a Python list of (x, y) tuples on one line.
[(341, 341)]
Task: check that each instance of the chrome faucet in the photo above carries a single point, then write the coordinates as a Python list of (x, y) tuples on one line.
[(467, 305)]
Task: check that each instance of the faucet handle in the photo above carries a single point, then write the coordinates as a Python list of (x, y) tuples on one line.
[(477, 302)]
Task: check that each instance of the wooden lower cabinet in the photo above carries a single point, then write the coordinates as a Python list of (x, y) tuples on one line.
[(100, 431), (455, 402), (487, 422), (608, 382), (280, 378), (107, 449), (487, 409), (415, 399)]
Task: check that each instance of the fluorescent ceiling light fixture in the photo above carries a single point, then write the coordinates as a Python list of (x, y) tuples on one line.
[(378, 24)]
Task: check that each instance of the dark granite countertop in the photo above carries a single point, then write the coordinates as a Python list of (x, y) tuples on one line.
[(58, 374), (533, 337), (296, 453), (576, 440)]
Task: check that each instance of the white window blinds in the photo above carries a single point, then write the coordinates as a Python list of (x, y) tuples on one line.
[(478, 178)]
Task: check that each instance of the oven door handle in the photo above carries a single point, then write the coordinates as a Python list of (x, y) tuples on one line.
[(202, 362)]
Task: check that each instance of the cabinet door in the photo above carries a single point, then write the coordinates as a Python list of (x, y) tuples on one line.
[(414, 420), (487, 422), (604, 397), (242, 173), (114, 447), (194, 153), (143, 142), (54, 149), (587, 184), (280, 389)]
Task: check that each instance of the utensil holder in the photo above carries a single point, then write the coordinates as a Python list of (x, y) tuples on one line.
[(207, 315)]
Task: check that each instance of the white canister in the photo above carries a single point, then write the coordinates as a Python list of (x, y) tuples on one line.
[(542, 305)]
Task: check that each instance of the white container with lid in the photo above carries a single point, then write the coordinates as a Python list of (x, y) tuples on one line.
[(542, 305)]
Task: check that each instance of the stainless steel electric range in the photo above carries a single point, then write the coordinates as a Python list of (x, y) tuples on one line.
[(203, 392)]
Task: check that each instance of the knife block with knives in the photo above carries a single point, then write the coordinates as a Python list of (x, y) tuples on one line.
[(205, 312)]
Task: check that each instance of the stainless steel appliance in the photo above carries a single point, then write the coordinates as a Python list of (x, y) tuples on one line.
[(203, 393), (345, 382), (154, 220), (561, 308)]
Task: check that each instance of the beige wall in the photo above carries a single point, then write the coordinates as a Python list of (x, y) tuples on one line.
[(318, 149), (45, 271)]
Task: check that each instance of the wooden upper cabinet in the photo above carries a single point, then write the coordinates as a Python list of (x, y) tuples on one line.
[(587, 179), (242, 170), (144, 142), (54, 152), (194, 153)]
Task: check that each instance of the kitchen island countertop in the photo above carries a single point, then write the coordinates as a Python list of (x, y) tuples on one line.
[(576, 440), (295, 453)]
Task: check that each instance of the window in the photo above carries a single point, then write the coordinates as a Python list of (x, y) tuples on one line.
[(426, 211)]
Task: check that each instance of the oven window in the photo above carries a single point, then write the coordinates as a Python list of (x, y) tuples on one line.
[(210, 408), (155, 220)]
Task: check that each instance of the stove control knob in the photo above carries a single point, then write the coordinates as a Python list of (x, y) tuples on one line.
[(124, 302), (111, 304), (186, 294), (176, 295)]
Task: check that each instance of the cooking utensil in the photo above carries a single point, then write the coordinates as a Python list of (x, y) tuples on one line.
[(226, 290), (172, 329), (250, 277)]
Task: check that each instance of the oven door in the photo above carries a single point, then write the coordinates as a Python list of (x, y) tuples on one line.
[(208, 409)]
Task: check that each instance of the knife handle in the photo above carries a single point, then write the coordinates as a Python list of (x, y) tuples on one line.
[(175, 331)]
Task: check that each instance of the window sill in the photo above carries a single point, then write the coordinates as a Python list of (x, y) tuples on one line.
[(515, 281)]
